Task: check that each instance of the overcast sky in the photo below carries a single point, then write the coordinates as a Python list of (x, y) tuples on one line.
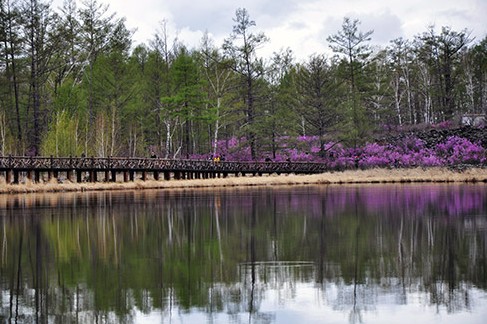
[(302, 25)]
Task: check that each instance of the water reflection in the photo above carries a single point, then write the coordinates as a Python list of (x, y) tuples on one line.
[(260, 255)]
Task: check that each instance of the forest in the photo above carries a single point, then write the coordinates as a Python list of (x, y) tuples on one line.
[(72, 83)]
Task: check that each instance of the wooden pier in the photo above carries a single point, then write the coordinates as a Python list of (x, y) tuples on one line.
[(16, 169)]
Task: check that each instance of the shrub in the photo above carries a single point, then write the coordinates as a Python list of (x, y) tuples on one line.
[(458, 150)]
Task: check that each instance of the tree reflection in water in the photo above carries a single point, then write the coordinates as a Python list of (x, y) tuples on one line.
[(242, 255)]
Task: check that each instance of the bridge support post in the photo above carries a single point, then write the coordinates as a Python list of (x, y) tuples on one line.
[(167, 175), (37, 176), (16, 177), (125, 176), (144, 175), (114, 176), (79, 176), (107, 176), (93, 176), (156, 175), (132, 175)]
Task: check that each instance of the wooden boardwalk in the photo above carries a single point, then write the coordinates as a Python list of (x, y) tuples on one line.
[(17, 169)]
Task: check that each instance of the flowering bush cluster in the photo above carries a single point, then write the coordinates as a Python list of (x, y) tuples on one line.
[(408, 152), (458, 150)]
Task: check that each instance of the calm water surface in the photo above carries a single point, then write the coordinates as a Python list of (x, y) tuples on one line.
[(314, 254)]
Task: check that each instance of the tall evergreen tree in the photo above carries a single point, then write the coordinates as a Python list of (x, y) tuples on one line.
[(113, 90), (478, 67), (353, 46), (442, 55), (188, 97), (278, 118), (41, 45), (242, 47), (97, 25), (11, 49), (319, 95)]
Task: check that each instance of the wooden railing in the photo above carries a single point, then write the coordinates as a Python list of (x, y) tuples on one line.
[(23, 163), (172, 168)]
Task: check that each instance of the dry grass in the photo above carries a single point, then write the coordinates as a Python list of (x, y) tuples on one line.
[(346, 177)]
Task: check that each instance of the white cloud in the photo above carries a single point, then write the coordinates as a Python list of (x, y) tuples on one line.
[(301, 25)]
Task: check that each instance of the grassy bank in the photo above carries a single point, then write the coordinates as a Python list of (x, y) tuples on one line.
[(346, 177)]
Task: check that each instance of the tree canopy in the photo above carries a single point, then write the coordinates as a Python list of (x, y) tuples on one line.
[(71, 82)]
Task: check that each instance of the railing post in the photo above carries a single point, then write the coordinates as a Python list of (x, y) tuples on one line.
[(9, 171), (93, 175), (50, 173), (107, 170), (167, 175), (69, 171)]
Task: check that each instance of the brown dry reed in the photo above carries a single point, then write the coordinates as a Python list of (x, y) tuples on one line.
[(370, 176)]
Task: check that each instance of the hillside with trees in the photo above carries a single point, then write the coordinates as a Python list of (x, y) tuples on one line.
[(73, 83)]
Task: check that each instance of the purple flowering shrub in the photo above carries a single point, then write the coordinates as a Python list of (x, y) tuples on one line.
[(457, 150), (409, 151)]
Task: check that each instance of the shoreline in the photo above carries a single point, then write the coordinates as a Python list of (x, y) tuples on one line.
[(369, 176)]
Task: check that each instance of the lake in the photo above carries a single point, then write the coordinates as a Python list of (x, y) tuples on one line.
[(409, 253)]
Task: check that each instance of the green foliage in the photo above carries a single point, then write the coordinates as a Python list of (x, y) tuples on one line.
[(161, 95), (320, 95), (62, 137), (242, 47), (69, 98)]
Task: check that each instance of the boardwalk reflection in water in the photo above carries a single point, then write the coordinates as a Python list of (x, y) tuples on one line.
[(261, 255)]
